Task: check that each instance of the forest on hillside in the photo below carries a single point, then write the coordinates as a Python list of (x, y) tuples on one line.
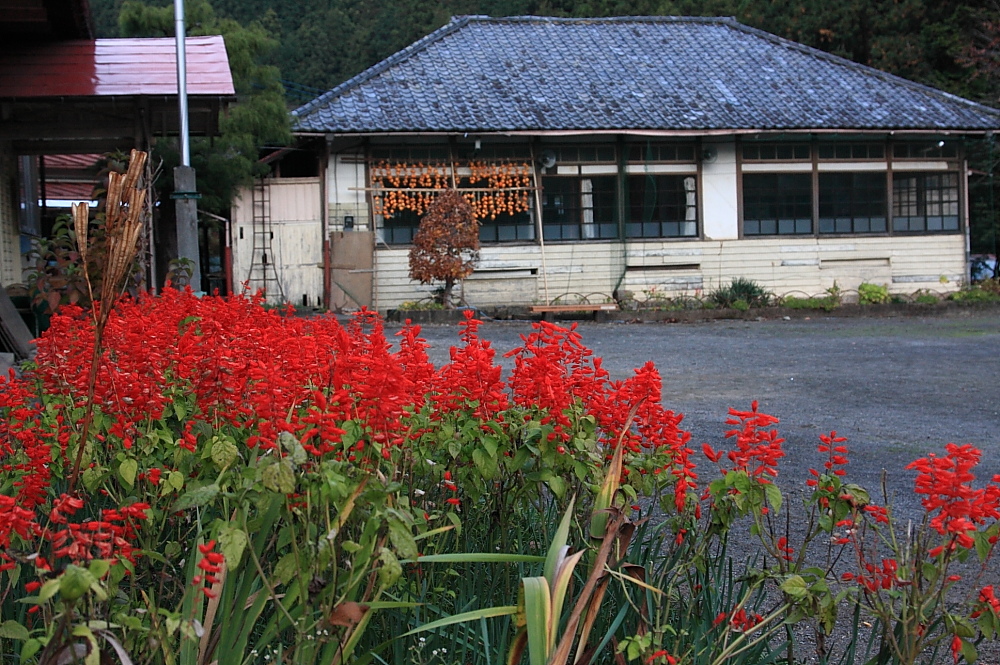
[(285, 53), (321, 43)]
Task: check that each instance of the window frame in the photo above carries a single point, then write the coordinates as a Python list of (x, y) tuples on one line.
[(780, 222), (600, 228), (856, 217), (868, 216), (921, 202), (687, 212)]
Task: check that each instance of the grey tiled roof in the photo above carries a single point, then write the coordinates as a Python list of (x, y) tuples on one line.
[(480, 74)]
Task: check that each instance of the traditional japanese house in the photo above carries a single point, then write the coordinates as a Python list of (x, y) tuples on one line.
[(648, 155)]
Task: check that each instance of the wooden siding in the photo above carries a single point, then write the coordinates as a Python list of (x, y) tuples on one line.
[(509, 275), (297, 246)]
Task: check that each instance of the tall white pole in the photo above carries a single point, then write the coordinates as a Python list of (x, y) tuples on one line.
[(185, 186), (182, 100)]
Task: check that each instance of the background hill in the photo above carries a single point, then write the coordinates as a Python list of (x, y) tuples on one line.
[(324, 42), (953, 45)]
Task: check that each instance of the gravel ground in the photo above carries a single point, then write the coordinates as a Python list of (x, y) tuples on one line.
[(898, 388)]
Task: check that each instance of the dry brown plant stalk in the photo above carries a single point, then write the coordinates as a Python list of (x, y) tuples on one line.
[(122, 228)]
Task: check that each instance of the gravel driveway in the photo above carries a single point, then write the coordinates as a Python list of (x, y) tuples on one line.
[(898, 388)]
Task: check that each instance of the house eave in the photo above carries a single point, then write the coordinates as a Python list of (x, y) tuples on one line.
[(666, 133)]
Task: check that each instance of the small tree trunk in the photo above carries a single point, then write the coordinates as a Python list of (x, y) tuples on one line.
[(449, 284)]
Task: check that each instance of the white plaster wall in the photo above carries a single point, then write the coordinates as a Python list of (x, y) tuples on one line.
[(800, 266), (719, 192), (345, 183)]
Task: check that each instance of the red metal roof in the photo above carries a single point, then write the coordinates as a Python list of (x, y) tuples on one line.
[(114, 67), (82, 162), (69, 191)]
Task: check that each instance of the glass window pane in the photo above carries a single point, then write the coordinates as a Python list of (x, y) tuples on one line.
[(772, 202), (659, 202), (925, 201), (851, 199)]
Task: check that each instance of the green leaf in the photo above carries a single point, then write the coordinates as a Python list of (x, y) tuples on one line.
[(485, 464), (12, 630), (286, 568), (773, 495), (795, 587), (127, 471), (73, 583), (558, 486), (279, 477), (196, 498), (969, 651), (473, 615), (99, 568), (48, 590), (538, 613), (455, 520), (390, 570), (559, 539), (232, 542), (478, 557), (180, 410), (983, 545), (92, 478), (30, 648), (402, 539), (295, 449), (454, 448), (519, 459), (224, 453), (175, 479)]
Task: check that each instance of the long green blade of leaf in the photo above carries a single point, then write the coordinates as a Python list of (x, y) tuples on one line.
[(560, 586), (472, 615), (538, 612), (559, 541), (477, 557)]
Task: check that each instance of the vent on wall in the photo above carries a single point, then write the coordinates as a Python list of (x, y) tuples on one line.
[(665, 267)]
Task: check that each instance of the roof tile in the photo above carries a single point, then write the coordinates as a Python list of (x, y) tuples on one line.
[(665, 73)]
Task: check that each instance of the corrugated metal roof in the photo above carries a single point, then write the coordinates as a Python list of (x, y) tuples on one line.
[(69, 191), (81, 162), (480, 74), (114, 67)]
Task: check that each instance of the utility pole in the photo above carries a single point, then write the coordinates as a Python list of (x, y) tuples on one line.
[(185, 186)]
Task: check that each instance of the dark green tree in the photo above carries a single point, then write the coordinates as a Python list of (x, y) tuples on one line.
[(260, 116)]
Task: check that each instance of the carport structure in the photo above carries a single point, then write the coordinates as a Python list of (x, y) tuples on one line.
[(63, 92)]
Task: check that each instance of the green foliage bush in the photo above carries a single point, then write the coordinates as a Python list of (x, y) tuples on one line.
[(825, 303), (974, 294), (742, 289), (872, 294)]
